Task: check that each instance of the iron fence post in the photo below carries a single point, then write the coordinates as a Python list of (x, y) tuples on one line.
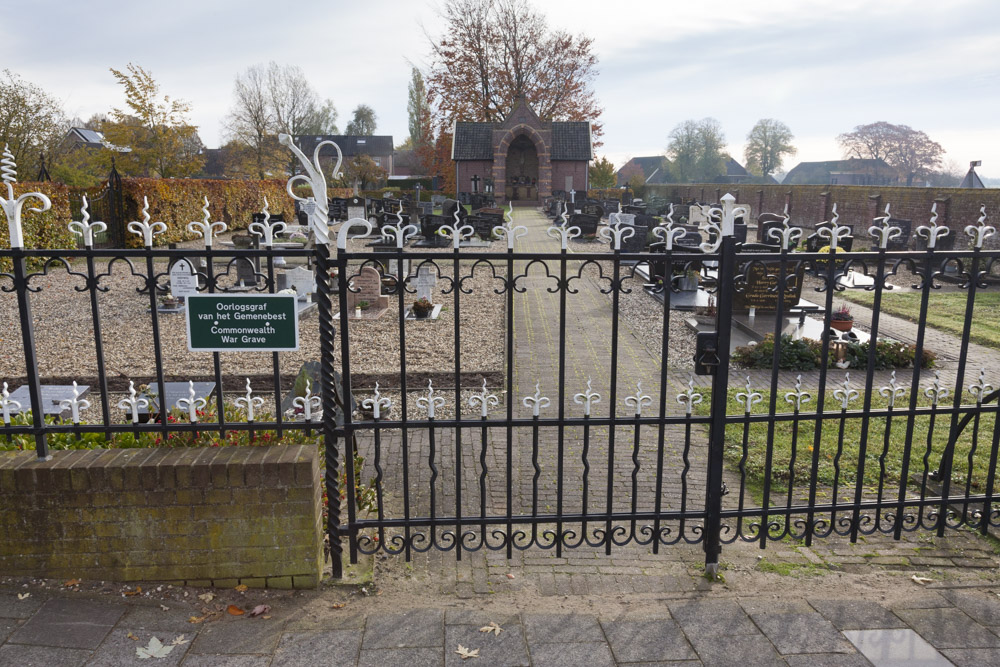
[(720, 387), (327, 337), (30, 354)]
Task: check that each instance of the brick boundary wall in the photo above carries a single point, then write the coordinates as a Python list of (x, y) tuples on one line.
[(216, 516), (856, 204)]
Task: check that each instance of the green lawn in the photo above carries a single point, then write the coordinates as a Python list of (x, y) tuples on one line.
[(848, 461), (946, 311)]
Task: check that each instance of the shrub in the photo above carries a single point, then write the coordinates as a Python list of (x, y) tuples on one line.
[(178, 201), (805, 355), (48, 230)]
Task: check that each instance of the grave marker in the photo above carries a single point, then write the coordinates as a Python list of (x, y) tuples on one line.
[(368, 284), (425, 282), (183, 280)]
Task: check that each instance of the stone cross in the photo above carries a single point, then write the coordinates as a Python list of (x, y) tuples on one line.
[(425, 282), (572, 196)]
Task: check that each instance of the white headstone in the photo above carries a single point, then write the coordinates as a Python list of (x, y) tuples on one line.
[(302, 280), (572, 196), (309, 207), (356, 212), (183, 281), (425, 282), (626, 218)]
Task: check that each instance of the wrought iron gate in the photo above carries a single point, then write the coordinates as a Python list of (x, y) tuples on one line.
[(498, 462)]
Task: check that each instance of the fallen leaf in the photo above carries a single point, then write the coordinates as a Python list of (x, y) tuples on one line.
[(164, 607), (155, 649), (72, 582), (921, 580), (510, 576), (206, 597), (266, 618), (137, 591), (23, 596), (467, 653), (340, 605), (179, 640), (492, 627), (242, 588), (259, 610), (132, 637), (234, 610), (197, 619)]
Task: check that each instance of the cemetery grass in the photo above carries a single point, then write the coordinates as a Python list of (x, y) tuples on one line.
[(828, 460), (946, 311)]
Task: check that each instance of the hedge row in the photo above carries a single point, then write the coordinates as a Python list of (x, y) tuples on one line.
[(48, 230), (177, 202)]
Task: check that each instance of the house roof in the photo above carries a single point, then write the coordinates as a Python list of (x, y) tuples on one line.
[(350, 145), (473, 141), (655, 169), (570, 141), (972, 180), (87, 136), (734, 168), (805, 173)]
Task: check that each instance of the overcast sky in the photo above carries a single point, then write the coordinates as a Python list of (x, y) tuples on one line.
[(821, 67)]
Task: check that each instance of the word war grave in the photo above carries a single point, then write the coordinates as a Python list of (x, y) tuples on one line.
[(303, 282), (173, 391)]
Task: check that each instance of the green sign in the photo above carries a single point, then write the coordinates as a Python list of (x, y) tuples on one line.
[(233, 322)]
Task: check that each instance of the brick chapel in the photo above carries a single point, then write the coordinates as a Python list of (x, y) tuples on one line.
[(522, 158)]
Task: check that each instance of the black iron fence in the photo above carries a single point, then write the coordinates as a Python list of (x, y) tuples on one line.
[(523, 458)]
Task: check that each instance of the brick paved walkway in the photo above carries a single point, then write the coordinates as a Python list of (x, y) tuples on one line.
[(930, 627)]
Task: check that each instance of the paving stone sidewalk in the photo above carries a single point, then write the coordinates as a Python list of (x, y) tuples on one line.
[(932, 627)]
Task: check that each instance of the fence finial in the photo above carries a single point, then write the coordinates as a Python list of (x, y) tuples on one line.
[(12, 206)]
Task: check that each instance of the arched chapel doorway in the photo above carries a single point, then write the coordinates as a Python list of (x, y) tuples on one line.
[(522, 170)]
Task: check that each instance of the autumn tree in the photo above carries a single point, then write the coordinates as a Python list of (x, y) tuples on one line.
[(31, 123), (911, 153), (364, 121), (362, 170), (768, 142), (491, 52), (602, 174), (273, 99), (153, 134), (696, 149), (417, 109)]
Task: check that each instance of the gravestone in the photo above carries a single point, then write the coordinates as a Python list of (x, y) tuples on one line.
[(246, 268), (437, 201), (626, 218), (587, 223), (902, 241), (425, 208), (183, 280), (368, 284), (302, 280), (760, 287), (52, 397), (636, 242), (425, 282), (356, 208)]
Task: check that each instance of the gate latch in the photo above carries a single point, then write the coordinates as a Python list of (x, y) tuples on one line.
[(706, 356)]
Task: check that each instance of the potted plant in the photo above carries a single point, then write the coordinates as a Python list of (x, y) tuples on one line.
[(422, 308), (841, 319), (689, 281), (363, 305), (169, 301)]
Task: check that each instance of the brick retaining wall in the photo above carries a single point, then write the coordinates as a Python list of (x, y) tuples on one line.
[(202, 516), (856, 204)]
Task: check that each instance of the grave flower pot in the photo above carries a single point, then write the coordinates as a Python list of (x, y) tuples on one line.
[(421, 314), (842, 325), (422, 308)]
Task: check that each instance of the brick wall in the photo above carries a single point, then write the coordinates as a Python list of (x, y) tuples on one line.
[(856, 204), (201, 516)]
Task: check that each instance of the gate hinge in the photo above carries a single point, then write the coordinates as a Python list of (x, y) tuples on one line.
[(706, 355)]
